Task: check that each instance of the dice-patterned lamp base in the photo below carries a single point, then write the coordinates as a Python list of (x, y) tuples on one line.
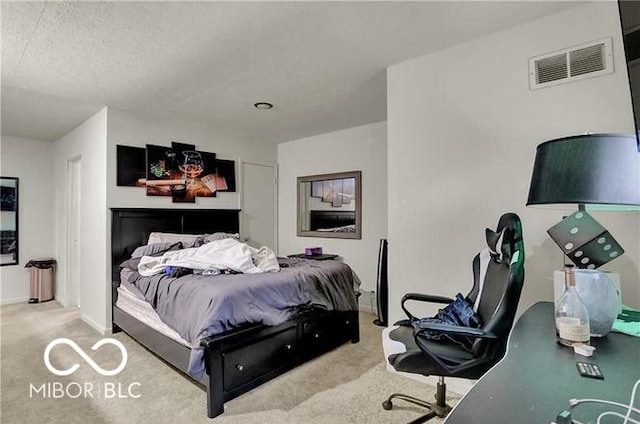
[(585, 242)]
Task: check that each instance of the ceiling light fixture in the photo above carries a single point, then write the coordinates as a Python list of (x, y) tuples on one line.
[(263, 105)]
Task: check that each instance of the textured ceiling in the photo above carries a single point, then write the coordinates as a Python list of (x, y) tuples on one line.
[(322, 64)]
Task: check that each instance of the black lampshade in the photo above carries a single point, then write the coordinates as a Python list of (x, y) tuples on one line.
[(602, 169), (587, 169)]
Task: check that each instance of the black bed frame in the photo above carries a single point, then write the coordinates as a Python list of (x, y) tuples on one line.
[(331, 219), (238, 360)]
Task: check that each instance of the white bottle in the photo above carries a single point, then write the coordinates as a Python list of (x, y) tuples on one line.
[(572, 316)]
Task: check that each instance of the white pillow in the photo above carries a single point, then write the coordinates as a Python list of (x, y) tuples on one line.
[(157, 237)]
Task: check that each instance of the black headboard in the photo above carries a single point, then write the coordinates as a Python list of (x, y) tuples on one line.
[(130, 228), (331, 219)]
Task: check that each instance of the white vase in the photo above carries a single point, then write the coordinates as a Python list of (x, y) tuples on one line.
[(600, 296)]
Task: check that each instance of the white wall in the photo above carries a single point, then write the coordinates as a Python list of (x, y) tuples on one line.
[(463, 128), (30, 161), (87, 141), (361, 148)]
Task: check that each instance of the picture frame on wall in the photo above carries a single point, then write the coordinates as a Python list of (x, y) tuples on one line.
[(131, 164), (226, 175), (9, 239), (180, 171), (207, 181), (163, 174), (186, 164)]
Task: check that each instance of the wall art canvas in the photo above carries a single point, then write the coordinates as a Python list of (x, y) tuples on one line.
[(131, 164), (196, 166), (188, 167), (207, 182), (225, 174), (179, 171), (164, 177)]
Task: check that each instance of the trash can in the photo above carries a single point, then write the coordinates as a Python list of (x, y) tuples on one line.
[(41, 279)]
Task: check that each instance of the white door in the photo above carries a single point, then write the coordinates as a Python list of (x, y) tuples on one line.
[(74, 180), (259, 217)]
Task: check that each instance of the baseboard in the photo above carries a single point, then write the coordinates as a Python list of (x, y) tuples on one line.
[(91, 323), (13, 300)]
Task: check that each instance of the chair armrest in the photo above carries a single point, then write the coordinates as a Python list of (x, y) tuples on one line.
[(456, 330), (426, 298), (422, 298)]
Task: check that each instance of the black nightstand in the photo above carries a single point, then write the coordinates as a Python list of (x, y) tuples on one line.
[(323, 257)]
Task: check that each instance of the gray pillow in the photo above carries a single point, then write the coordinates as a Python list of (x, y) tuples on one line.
[(158, 237), (131, 264), (155, 249), (220, 236)]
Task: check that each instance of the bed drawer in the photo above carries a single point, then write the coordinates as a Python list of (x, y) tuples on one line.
[(248, 362), (324, 334)]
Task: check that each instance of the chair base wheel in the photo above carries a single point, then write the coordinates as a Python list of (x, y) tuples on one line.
[(434, 409)]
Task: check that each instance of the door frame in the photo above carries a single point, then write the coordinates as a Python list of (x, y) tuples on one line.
[(74, 219), (241, 198)]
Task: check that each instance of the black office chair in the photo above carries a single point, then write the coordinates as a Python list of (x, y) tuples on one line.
[(498, 276)]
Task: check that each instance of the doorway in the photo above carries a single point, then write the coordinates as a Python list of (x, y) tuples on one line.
[(74, 248), (259, 217)]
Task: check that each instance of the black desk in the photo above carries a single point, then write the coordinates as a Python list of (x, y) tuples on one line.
[(537, 377)]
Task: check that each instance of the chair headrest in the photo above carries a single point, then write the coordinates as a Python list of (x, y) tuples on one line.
[(502, 242), (494, 242)]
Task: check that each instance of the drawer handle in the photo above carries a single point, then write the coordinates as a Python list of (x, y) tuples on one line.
[(347, 322), (316, 335), (240, 367), (288, 346)]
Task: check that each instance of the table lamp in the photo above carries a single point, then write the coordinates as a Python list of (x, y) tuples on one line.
[(590, 169)]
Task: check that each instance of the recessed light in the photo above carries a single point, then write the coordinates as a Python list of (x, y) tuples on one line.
[(263, 105)]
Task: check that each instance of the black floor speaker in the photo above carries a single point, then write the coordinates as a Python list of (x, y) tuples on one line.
[(382, 289)]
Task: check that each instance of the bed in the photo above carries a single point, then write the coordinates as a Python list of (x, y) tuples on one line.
[(243, 356)]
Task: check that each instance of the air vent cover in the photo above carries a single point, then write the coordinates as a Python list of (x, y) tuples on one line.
[(551, 68), (573, 64)]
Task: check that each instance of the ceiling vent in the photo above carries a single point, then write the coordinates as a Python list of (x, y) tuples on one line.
[(573, 64)]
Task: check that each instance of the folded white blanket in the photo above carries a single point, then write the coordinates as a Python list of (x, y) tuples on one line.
[(222, 254)]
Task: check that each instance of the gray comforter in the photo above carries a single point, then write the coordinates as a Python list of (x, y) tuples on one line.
[(198, 306)]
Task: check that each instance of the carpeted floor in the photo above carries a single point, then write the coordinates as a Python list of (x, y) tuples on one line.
[(346, 385)]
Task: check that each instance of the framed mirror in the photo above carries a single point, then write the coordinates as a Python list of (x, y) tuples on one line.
[(329, 205), (8, 221)]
